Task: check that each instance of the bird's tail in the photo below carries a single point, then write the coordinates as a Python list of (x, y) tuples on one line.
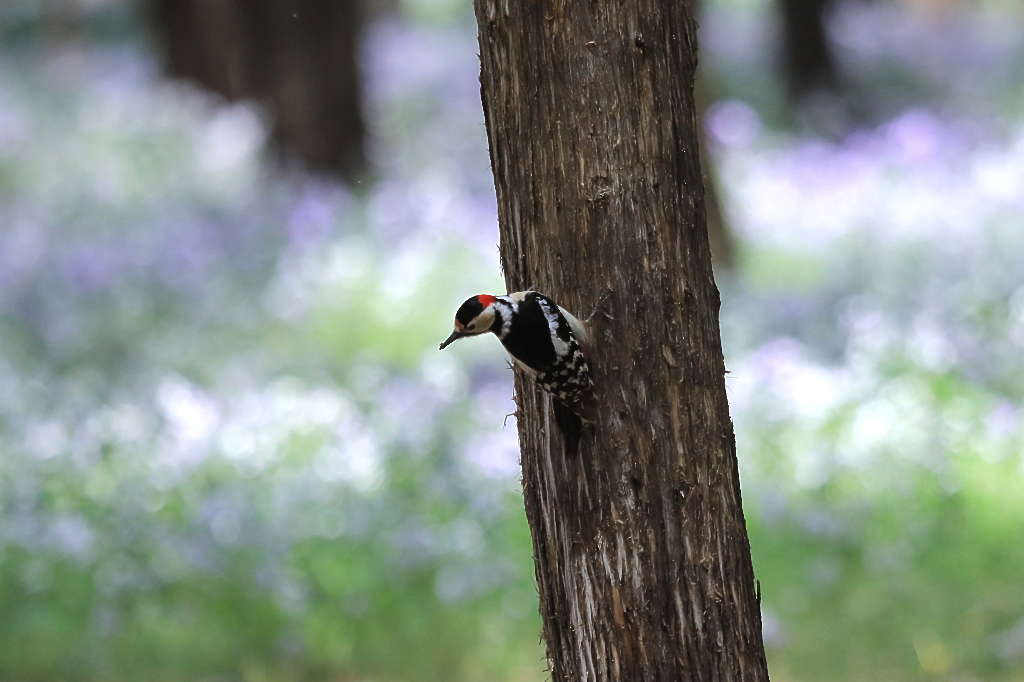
[(571, 426)]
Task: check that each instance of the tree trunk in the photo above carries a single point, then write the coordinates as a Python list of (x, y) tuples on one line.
[(641, 553), (809, 64), (298, 58)]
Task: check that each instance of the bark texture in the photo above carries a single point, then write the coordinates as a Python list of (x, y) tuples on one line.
[(641, 552)]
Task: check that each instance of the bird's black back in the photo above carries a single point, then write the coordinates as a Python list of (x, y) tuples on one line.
[(566, 376), (529, 339)]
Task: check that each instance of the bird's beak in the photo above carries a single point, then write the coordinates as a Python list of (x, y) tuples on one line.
[(456, 335)]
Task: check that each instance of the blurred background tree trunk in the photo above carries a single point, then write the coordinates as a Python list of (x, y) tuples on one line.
[(808, 62), (641, 553), (299, 59)]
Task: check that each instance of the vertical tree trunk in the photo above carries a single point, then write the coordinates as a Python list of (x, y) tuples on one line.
[(808, 62), (641, 553)]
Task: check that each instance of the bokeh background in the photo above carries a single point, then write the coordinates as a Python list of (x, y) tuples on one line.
[(229, 449)]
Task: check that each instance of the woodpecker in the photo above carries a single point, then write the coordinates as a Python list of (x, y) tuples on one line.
[(544, 340)]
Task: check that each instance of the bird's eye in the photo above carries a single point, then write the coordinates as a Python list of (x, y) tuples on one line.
[(470, 327)]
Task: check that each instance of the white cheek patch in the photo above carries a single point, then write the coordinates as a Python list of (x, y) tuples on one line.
[(482, 322)]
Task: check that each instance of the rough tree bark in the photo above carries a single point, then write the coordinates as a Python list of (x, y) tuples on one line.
[(641, 553)]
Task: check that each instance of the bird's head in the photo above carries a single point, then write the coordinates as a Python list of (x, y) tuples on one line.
[(475, 316)]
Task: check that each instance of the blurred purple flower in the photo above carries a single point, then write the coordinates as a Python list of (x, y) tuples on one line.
[(1005, 419), (916, 136), (316, 212), (91, 268), (732, 123)]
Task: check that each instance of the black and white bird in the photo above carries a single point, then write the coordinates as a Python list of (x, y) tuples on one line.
[(544, 340)]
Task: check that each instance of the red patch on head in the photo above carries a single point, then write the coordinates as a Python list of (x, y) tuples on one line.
[(486, 299)]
